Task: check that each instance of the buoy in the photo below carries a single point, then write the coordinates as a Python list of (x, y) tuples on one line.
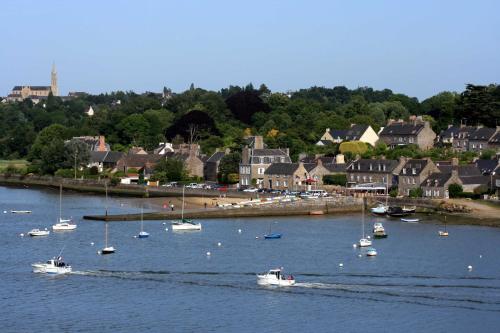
[(469, 268), (135, 236), (98, 252), (341, 265), (219, 244), (164, 223), (5, 212), (256, 237), (166, 229), (208, 253), (239, 231), (354, 245), (480, 256), (92, 243), (21, 234), (368, 237)]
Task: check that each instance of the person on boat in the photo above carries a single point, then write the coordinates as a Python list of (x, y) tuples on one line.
[(290, 277)]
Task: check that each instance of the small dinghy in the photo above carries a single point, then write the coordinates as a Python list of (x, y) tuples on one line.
[(38, 232), (20, 211), (52, 266), (410, 220), (272, 236), (371, 252), (275, 277)]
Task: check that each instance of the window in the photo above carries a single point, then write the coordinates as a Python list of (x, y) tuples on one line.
[(404, 171), (260, 171), (371, 179), (352, 177), (277, 183), (412, 139), (364, 178), (436, 193), (414, 181), (357, 178), (285, 183), (428, 193), (414, 171), (371, 167)]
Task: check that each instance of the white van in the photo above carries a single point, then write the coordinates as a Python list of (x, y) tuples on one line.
[(318, 193)]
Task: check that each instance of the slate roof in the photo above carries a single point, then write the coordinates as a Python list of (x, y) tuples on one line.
[(482, 134), (310, 166), (472, 180), (412, 164), (139, 160), (436, 179), (355, 132), (336, 134), (32, 87), (486, 166), (335, 167), (495, 139), (281, 169), (105, 156), (399, 128), (463, 170), (325, 142), (363, 165), (456, 131), (217, 156), (269, 152)]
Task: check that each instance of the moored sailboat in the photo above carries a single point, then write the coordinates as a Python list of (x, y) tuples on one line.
[(62, 224), (185, 224)]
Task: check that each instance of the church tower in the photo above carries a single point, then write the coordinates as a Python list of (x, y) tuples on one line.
[(53, 81)]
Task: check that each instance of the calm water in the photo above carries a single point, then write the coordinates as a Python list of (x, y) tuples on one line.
[(418, 282)]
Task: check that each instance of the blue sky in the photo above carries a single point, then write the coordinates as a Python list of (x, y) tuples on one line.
[(419, 48)]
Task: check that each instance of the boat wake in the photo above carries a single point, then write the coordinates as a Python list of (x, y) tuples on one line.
[(472, 295)]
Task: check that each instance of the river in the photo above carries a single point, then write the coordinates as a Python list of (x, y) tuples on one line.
[(167, 283)]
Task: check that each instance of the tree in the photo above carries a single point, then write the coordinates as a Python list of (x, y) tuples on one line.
[(76, 154), (455, 190), (52, 157), (336, 179), (416, 192), (171, 169), (353, 147), (134, 128), (244, 104), (229, 164), (47, 136)]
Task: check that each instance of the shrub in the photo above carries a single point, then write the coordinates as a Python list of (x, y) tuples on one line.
[(393, 193), (338, 179), (65, 173), (94, 171), (416, 192), (114, 181), (455, 190), (233, 178), (353, 147)]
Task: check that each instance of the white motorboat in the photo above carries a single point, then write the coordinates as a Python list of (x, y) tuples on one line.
[(379, 231), (371, 252), (37, 232), (63, 224), (443, 233), (380, 209), (184, 224), (364, 242), (410, 220), (52, 266), (275, 277)]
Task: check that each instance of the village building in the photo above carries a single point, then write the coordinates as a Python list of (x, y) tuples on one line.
[(164, 148), (35, 93), (256, 160), (381, 174), (456, 136), (480, 138), (95, 143), (104, 160), (437, 184), (363, 133), (413, 173), (401, 133), (286, 176), (211, 168)]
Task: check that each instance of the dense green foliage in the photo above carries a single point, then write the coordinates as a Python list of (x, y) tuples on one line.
[(228, 167), (455, 190), (220, 119), (169, 170), (416, 192), (338, 179)]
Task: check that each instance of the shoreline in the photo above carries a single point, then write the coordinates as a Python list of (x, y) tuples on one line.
[(477, 213)]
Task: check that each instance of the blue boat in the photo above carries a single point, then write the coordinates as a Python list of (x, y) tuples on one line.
[(272, 236)]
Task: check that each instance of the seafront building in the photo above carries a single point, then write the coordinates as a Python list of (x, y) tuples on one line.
[(402, 133)]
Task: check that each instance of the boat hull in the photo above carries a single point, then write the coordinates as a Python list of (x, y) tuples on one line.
[(63, 227), (186, 227), (108, 250), (364, 242), (379, 235), (264, 280), (45, 268), (143, 235), (39, 233), (272, 236)]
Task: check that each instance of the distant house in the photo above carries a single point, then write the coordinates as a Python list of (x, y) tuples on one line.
[(137, 151), (494, 142), (363, 133), (416, 131), (95, 143), (137, 161), (285, 176), (192, 162), (480, 138), (89, 111), (486, 167), (318, 169), (163, 148), (211, 169), (104, 159), (413, 173), (456, 136), (469, 174), (256, 160), (375, 171), (437, 184)]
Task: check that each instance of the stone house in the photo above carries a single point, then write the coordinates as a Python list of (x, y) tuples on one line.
[(285, 176), (95, 143), (416, 131), (255, 161), (211, 168), (137, 161), (104, 159), (380, 171), (363, 133), (494, 142), (413, 173), (456, 136), (480, 138), (437, 184), (318, 170), (470, 175)]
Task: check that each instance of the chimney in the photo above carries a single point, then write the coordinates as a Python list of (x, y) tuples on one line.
[(454, 162), (102, 143), (327, 130), (227, 151), (258, 142), (245, 155), (287, 151), (340, 159)]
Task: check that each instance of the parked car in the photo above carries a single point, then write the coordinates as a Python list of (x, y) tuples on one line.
[(171, 184), (194, 185), (251, 190)]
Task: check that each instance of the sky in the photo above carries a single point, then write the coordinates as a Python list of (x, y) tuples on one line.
[(418, 48)]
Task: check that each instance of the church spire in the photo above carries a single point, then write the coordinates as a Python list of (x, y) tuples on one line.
[(53, 80)]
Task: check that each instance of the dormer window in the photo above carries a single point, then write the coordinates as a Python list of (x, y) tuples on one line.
[(404, 171)]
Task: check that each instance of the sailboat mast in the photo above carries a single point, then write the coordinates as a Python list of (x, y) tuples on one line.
[(60, 202), (106, 235), (182, 210), (363, 218), (106, 202), (142, 218)]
